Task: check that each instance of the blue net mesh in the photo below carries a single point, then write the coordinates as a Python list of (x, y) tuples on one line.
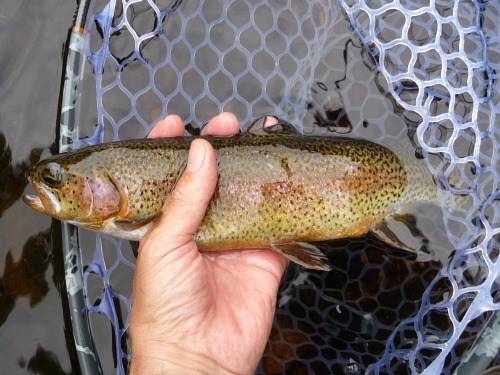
[(439, 63), (424, 72)]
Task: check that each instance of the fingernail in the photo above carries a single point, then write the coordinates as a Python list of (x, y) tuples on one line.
[(270, 121), (196, 156)]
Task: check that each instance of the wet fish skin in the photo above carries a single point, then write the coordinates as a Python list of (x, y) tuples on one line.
[(277, 191)]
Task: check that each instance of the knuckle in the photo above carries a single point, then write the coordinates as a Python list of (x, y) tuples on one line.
[(180, 196)]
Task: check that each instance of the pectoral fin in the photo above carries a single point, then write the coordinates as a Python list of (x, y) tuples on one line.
[(302, 253), (122, 192), (134, 224), (400, 231), (96, 225)]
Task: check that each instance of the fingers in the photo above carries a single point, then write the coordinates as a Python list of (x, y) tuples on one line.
[(227, 124), (170, 126), (270, 121), (187, 204), (223, 124), (185, 208)]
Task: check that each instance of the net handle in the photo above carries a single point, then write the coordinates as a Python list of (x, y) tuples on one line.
[(68, 130)]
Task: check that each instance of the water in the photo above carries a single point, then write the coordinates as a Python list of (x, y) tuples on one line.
[(338, 321), (328, 322), (35, 337)]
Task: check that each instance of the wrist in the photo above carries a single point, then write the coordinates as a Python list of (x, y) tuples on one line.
[(171, 360)]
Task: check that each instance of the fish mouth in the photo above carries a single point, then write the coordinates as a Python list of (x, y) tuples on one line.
[(45, 202), (35, 202)]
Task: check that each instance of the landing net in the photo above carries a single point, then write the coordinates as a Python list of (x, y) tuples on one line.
[(372, 69)]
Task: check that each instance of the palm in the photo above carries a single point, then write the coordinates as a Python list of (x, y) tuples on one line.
[(223, 304)]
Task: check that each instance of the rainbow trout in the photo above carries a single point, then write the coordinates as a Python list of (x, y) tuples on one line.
[(276, 189)]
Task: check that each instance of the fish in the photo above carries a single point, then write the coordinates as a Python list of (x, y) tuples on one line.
[(276, 189)]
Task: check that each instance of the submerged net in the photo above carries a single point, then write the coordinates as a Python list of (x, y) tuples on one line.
[(440, 64), (427, 73)]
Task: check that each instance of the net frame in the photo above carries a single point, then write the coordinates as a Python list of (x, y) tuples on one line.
[(477, 247)]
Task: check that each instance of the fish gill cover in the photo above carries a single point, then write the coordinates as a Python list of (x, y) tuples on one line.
[(372, 69)]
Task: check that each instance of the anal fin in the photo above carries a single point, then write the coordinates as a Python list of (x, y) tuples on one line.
[(400, 231), (302, 253)]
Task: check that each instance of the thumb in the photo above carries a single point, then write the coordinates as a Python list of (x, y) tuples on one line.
[(185, 208)]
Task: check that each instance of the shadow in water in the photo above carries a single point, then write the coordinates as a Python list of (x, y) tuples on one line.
[(13, 177), (26, 277), (43, 363)]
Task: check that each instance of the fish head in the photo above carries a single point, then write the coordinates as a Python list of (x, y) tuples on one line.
[(79, 192)]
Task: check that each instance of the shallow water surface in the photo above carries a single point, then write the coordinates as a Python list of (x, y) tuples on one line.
[(34, 335), (338, 321)]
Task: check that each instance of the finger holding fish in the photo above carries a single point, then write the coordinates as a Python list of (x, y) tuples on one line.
[(169, 126), (224, 124), (213, 312)]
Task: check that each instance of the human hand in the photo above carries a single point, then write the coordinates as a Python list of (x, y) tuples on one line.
[(195, 313)]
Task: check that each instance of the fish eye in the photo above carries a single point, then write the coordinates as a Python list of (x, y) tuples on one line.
[(52, 174)]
